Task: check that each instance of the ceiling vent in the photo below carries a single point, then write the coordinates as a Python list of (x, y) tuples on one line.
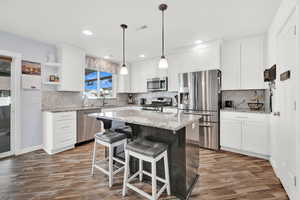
[(142, 28)]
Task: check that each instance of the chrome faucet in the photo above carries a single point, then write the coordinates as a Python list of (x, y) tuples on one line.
[(103, 99)]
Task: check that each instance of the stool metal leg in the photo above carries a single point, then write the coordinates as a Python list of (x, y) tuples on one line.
[(110, 165), (94, 157), (126, 173), (141, 169), (167, 175), (153, 168)]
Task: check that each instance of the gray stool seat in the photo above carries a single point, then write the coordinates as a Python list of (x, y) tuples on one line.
[(146, 147), (127, 130), (110, 136)]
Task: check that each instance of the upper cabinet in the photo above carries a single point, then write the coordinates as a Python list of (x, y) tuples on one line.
[(231, 70), (243, 64), (71, 72), (201, 57), (252, 63), (141, 71)]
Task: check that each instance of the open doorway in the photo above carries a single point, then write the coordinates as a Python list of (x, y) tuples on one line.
[(10, 117), (5, 105)]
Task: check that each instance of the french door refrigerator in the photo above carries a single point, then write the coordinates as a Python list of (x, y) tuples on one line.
[(199, 93)]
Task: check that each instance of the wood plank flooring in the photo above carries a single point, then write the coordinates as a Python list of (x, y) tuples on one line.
[(223, 176)]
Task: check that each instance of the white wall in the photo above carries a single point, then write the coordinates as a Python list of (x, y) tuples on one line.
[(31, 125)]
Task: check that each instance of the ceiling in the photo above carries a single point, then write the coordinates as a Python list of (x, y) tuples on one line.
[(55, 21)]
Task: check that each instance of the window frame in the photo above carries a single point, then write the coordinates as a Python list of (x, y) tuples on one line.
[(114, 84)]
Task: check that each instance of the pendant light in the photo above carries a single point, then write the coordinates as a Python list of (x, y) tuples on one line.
[(163, 63), (124, 70)]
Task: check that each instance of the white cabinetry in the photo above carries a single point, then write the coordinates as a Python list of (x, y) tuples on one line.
[(138, 79), (203, 57), (256, 136), (231, 133), (59, 131), (252, 65), (243, 64), (246, 133), (71, 72), (231, 67)]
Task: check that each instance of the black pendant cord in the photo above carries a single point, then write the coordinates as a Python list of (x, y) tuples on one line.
[(163, 35), (162, 8), (124, 26), (123, 46)]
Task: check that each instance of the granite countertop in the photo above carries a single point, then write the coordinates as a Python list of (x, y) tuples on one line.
[(76, 108), (245, 110), (169, 121)]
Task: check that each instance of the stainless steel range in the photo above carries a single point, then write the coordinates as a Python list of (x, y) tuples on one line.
[(200, 94)]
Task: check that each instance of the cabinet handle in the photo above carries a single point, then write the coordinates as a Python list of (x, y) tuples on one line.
[(242, 117), (276, 114)]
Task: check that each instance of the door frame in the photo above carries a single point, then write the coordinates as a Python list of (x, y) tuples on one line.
[(298, 99), (15, 102)]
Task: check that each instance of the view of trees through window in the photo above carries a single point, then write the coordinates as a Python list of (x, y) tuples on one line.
[(97, 84)]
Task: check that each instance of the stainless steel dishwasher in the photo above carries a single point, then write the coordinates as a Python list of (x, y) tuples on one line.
[(87, 127)]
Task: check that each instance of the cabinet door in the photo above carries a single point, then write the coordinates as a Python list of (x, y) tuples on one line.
[(256, 137), (252, 63), (231, 133), (173, 71), (135, 78), (231, 65), (72, 70)]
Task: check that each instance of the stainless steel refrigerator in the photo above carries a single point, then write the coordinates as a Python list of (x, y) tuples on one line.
[(199, 93)]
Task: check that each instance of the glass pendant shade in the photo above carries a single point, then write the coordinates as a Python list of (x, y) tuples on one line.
[(163, 63), (123, 70)]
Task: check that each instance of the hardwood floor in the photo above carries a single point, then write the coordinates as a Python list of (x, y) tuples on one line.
[(223, 176)]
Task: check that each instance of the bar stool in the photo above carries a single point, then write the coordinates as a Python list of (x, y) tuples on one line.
[(110, 139), (152, 152)]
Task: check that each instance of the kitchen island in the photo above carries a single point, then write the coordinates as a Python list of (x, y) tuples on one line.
[(175, 129)]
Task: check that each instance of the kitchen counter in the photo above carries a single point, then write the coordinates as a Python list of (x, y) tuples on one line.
[(173, 128), (76, 108), (245, 111), (169, 121)]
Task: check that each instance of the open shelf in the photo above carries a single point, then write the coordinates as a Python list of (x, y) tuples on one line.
[(51, 83), (53, 64)]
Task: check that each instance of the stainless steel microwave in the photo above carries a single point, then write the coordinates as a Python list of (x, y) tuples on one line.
[(157, 84)]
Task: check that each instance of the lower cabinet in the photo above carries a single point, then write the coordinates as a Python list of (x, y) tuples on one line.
[(231, 133), (59, 131), (245, 133)]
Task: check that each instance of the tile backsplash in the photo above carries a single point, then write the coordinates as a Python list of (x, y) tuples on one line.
[(152, 95), (241, 98), (53, 99)]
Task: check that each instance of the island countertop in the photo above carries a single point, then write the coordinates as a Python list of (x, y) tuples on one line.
[(169, 121)]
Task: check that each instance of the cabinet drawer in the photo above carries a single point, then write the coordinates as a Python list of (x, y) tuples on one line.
[(64, 124), (61, 116), (244, 116), (63, 137)]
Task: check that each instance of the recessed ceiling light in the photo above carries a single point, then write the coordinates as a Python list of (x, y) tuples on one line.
[(198, 41), (87, 32), (142, 56)]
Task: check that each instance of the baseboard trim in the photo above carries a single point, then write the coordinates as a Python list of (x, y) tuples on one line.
[(29, 149), (266, 157)]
